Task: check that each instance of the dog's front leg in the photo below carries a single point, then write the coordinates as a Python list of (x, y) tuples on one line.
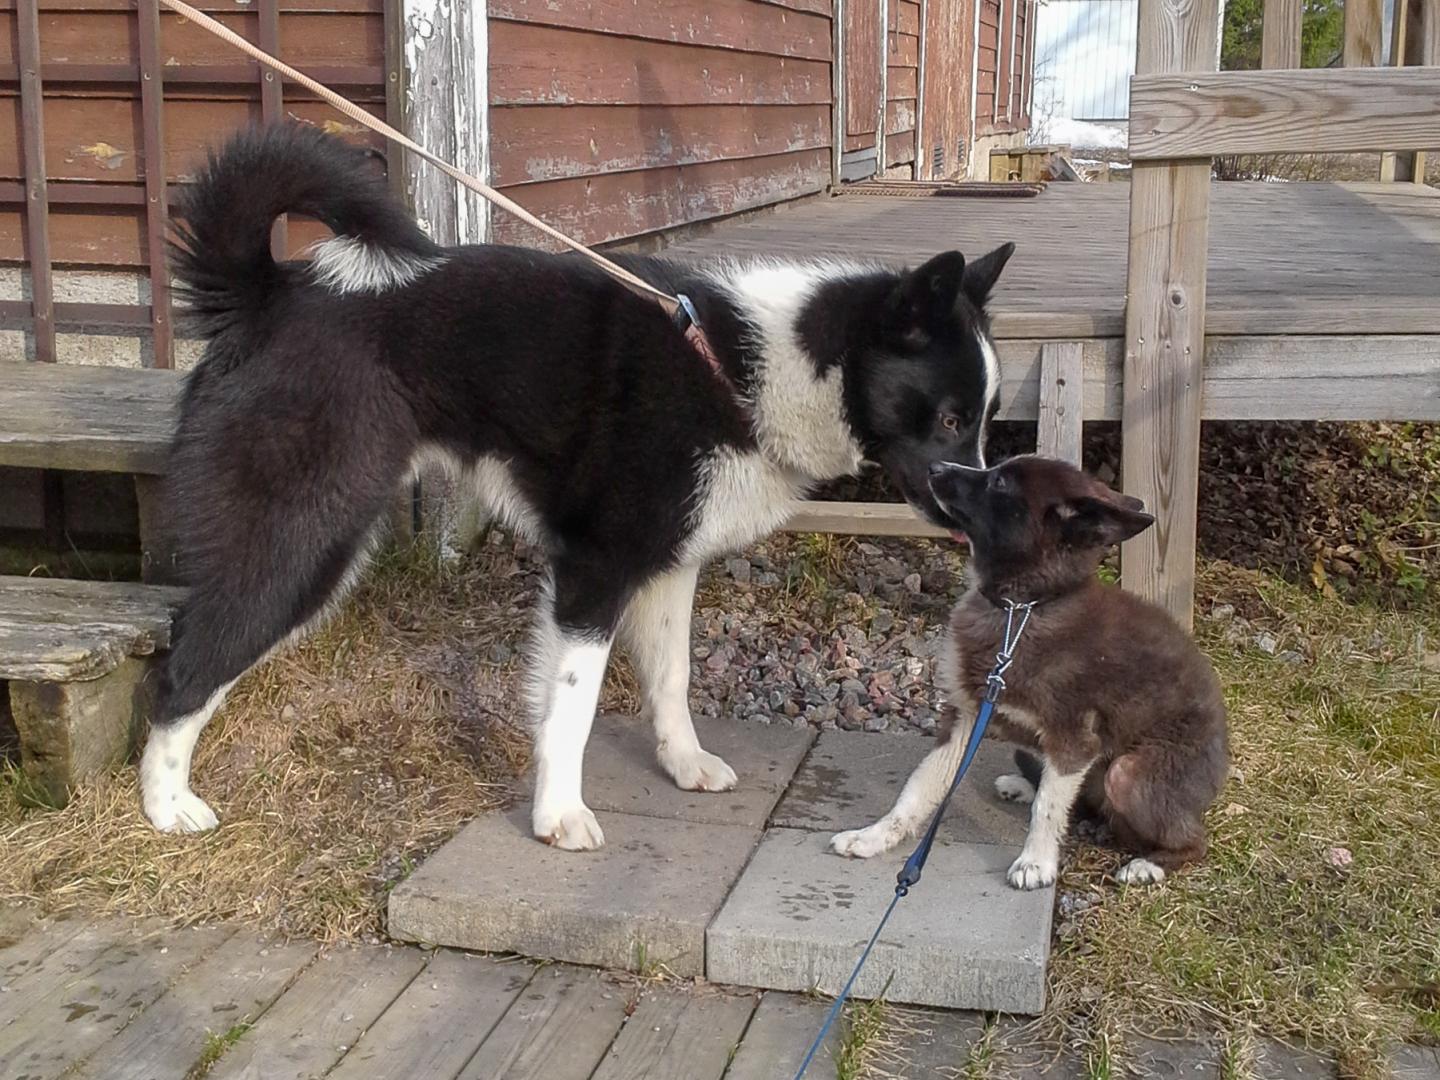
[(919, 798), (1039, 860), (656, 633), (565, 689)]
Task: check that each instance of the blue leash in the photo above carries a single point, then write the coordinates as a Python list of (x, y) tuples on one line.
[(909, 875)]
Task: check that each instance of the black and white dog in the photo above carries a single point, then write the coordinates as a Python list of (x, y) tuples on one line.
[(576, 408)]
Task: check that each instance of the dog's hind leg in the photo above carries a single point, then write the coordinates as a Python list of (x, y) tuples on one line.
[(656, 634), (1151, 816), (576, 625), (232, 620)]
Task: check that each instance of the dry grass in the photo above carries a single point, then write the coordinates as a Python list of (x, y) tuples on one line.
[(334, 767), (1336, 750)]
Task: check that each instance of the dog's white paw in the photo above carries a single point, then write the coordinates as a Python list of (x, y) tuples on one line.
[(574, 829), (700, 771), (1028, 873), (863, 843), (1012, 787), (1140, 872), (182, 812)]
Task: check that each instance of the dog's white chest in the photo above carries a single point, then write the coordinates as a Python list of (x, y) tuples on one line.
[(740, 497)]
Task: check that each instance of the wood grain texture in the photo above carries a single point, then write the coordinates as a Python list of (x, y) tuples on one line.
[(79, 630), (557, 1030), (1062, 400), (674, 1033), (1364, 29), (546, 65), (27, 47), (438, 1021), (1280, 35), (860, 519), (235, 985), (157, 203), (1165, 324), (607, 207), (322, 1013), (1316, 110), (551, 142), (862, 32), (88, 419), (724, 24)]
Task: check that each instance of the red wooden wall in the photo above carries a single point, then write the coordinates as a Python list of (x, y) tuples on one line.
[(615, 118), (1004, 69)]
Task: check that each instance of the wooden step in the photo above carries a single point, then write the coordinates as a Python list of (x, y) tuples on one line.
[(74, 660)]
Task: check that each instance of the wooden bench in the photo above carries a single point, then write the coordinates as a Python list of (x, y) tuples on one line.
[(74, 656)]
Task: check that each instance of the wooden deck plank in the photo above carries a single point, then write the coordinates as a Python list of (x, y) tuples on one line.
[(678, 1033), (779, 1036), (26, 946), (69, 1021), (322, 1015), (438, 1022), (235, 984), (558, 1029), (76, 950), (1062, 400)]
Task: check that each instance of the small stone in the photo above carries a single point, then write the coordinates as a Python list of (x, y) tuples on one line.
[(739, 569), (1266, 643), (876, 723), (1290, 656), (1222, 612), (912, 583), (767, 579), (866, 548), (882, 622)]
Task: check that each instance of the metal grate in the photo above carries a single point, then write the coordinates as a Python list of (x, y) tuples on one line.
[(937, 161)]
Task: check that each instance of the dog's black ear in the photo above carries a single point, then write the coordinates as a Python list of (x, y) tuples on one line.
[(925, 297), (1091, 522), (981, 275)]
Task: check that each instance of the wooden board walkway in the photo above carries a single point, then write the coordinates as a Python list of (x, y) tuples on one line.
[(138, 1001)]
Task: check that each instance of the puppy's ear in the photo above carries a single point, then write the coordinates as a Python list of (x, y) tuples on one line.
[(981, 275), (925, 297), (1090, 522)]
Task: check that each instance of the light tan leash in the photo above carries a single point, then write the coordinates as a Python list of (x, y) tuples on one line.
[(672, 305)]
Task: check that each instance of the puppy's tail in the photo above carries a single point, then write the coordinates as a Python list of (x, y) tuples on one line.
[(1029, 766), (221, 247)]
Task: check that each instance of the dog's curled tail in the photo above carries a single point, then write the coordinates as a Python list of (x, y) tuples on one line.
[(222, 222)]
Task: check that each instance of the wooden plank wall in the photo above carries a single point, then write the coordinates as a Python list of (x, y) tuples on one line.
[(1003, 73), (94, 131), (949, 66), (902, 81), (612, 119)]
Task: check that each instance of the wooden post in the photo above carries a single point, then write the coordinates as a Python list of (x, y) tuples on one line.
[(837, 92), (884, 88), (1364, 29), (37, 197), (917, 170), (1414, 42), (1165, 324), (152, 121), (1062, 400), (1280, 36)]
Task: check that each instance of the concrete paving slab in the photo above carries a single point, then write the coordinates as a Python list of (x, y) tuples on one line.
[(852, 778), (963, 939), (646, 897), (1416, 1063), (1173, 1059), (1276, 1060), (621, 773)]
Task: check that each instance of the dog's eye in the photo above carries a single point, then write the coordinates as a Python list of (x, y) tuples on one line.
[(950, 422)]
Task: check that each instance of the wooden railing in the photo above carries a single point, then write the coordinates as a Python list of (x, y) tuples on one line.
[(1183, 112)]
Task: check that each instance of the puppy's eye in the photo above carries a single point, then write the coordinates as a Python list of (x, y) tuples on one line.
[(950, 422)]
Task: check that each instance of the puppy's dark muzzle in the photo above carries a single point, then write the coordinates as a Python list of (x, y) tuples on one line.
[(954, 485)]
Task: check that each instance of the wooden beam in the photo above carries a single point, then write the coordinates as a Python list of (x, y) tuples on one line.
[(837, 92), (1264, 112), (1364, 30), (157, 212), (272, 104), (1280, 36), (37, 201), (1062, 400), (1165, 322), (861, 519), (1414, 42), (921, 163)]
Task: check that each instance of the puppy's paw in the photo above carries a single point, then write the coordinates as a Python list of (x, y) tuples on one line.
[(182, 812), (699, 771), (1029, 873), (864, 843), (1012, 787), (1140, 872), (574, 829)]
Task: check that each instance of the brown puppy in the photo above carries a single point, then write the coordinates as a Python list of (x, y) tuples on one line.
[(1124, 710)]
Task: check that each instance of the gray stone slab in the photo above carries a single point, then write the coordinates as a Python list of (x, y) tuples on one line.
[(851, 778), (962, 939), (646, 897), (621, 773), (1276, 1060), (1178, 1059), (923, 1044), (1416, 1063)]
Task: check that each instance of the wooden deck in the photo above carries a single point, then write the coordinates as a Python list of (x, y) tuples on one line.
[(124, 1001), (1285, 258)]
